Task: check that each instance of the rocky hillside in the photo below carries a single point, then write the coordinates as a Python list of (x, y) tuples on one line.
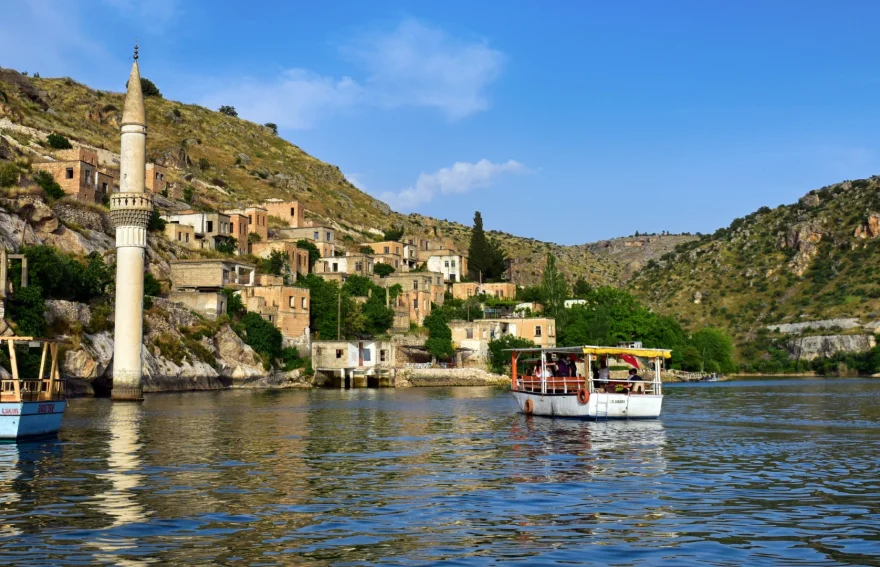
[(815, 260), (631, 253), (229, 161)]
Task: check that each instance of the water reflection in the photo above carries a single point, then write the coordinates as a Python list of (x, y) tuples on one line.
[(758, 473)]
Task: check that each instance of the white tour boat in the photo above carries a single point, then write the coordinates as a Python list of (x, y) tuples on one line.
[(32, 407), (583, 395)]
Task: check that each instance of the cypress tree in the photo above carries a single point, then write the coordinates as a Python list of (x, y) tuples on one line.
[(485, 257)]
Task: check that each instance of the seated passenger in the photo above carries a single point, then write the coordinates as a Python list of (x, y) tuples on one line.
[(633, 378), (562, 369)]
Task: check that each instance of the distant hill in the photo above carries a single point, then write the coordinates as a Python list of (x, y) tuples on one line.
[(813, 260), (229, 161)]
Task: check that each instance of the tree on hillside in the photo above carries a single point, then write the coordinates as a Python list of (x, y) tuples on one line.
[(486, 260), (383, 270), (272, 126), (554, 288), (58, 142), (228, 111), (149, 88), (48, 184), (365, 249), (8, 175), (313, 251), (394, 234), (439, 343), (715, 348), (581, 289)]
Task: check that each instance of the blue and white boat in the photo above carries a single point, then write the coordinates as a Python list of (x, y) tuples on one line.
[(32, 407)]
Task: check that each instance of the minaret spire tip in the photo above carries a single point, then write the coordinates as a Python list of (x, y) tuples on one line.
[(135, 50)]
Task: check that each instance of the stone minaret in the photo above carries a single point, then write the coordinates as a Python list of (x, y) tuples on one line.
[(130, 210)]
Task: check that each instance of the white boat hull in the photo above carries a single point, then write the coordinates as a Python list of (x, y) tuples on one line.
[(599, 405), (19, 420)]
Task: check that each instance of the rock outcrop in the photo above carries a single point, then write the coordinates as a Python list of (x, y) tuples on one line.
[(808, 348), (871, 228), (796, 328)]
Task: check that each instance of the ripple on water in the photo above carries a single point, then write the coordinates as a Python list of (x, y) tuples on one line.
[(759, 473)]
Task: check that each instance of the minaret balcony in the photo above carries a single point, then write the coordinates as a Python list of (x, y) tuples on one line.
[(131, 209)]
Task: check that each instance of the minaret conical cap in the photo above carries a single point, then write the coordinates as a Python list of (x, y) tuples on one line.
[(134, 112)]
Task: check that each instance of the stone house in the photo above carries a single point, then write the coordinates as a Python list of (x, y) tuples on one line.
[(353, 363), (155, 181), (291, 212), (476, 335), (323, 237), (360, 264), (76, 171), (210, 228), (420, 290), (182, 234), (502, 290), (297, 258), (198, 284), (239, 227), (286, 307), (258, 220)]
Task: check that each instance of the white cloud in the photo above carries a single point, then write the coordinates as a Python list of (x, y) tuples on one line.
[(413, 65), (460, 178)]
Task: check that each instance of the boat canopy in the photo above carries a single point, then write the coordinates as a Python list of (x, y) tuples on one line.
[(601, 350), (643, 352)]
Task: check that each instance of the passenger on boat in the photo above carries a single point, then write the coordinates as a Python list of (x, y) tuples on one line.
[(634, 379), (562, 369)]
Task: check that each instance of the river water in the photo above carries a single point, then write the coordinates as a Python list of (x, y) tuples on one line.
[(766, 472)]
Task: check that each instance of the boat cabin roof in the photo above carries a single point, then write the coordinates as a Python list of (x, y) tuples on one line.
[(601, 350)]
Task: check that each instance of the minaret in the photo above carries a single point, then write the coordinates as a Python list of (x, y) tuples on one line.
[(130, 210)]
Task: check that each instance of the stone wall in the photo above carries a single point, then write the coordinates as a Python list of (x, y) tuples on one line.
[(421, 377), (86, 217)]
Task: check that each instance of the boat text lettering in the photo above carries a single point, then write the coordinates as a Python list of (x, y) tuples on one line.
[(10, 411), (46, 408)]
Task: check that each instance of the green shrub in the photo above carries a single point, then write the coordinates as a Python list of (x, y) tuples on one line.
[(49, 186), (228, 111), (227, 245), (101, 318), (8, 175), (234, 305), (500, 360), (152, 286), (291, 360), (27, 308), (188, 193), (62, 277), (157, 223), (148, 88), (271, 126), (58, 142)]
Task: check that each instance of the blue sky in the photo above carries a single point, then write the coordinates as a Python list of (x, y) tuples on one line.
[(562, 121)]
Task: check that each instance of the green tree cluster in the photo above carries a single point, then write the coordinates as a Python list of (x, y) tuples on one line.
[(375, 316), (228, 111), (439, 343), (156, 223), (554, 288), (262, 336), (499, 360), (383, 270), (227, 245), (60, 276), (486, 260), (367, 317), (394, 234), (275, 264)]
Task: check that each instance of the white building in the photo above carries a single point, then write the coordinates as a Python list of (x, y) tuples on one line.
[(452, 265)]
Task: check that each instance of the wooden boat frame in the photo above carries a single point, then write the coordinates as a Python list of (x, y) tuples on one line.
[(42, 388)]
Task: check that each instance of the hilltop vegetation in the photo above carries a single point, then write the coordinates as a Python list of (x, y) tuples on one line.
[(816, 259)]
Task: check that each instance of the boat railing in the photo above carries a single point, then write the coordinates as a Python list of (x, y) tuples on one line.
[(32, 390), (571, 384)]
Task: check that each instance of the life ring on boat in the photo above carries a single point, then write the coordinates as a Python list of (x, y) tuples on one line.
[(529, 406), (583, 396)]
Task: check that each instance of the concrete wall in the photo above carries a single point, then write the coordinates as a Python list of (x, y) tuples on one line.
[(182, 234), (502, 290), (210, 274), (207, 304)]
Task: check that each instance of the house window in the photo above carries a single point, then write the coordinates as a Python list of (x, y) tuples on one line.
[(339, 353), (104, 187), (329, 237), (397, 250), (250, 219), (186, 237), (469, 333), (366, 355), (68, 173), (292, 302), (550, 331), (335, 267), (382, 355), (178, 236), (446, 264), (210, 227), (232, 227), (397, 263), (537, 330), (358, 266), (386, 250), (317, 235), (305, 303), (416, 304), (292, 212), (453, 263), (415, 284)]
